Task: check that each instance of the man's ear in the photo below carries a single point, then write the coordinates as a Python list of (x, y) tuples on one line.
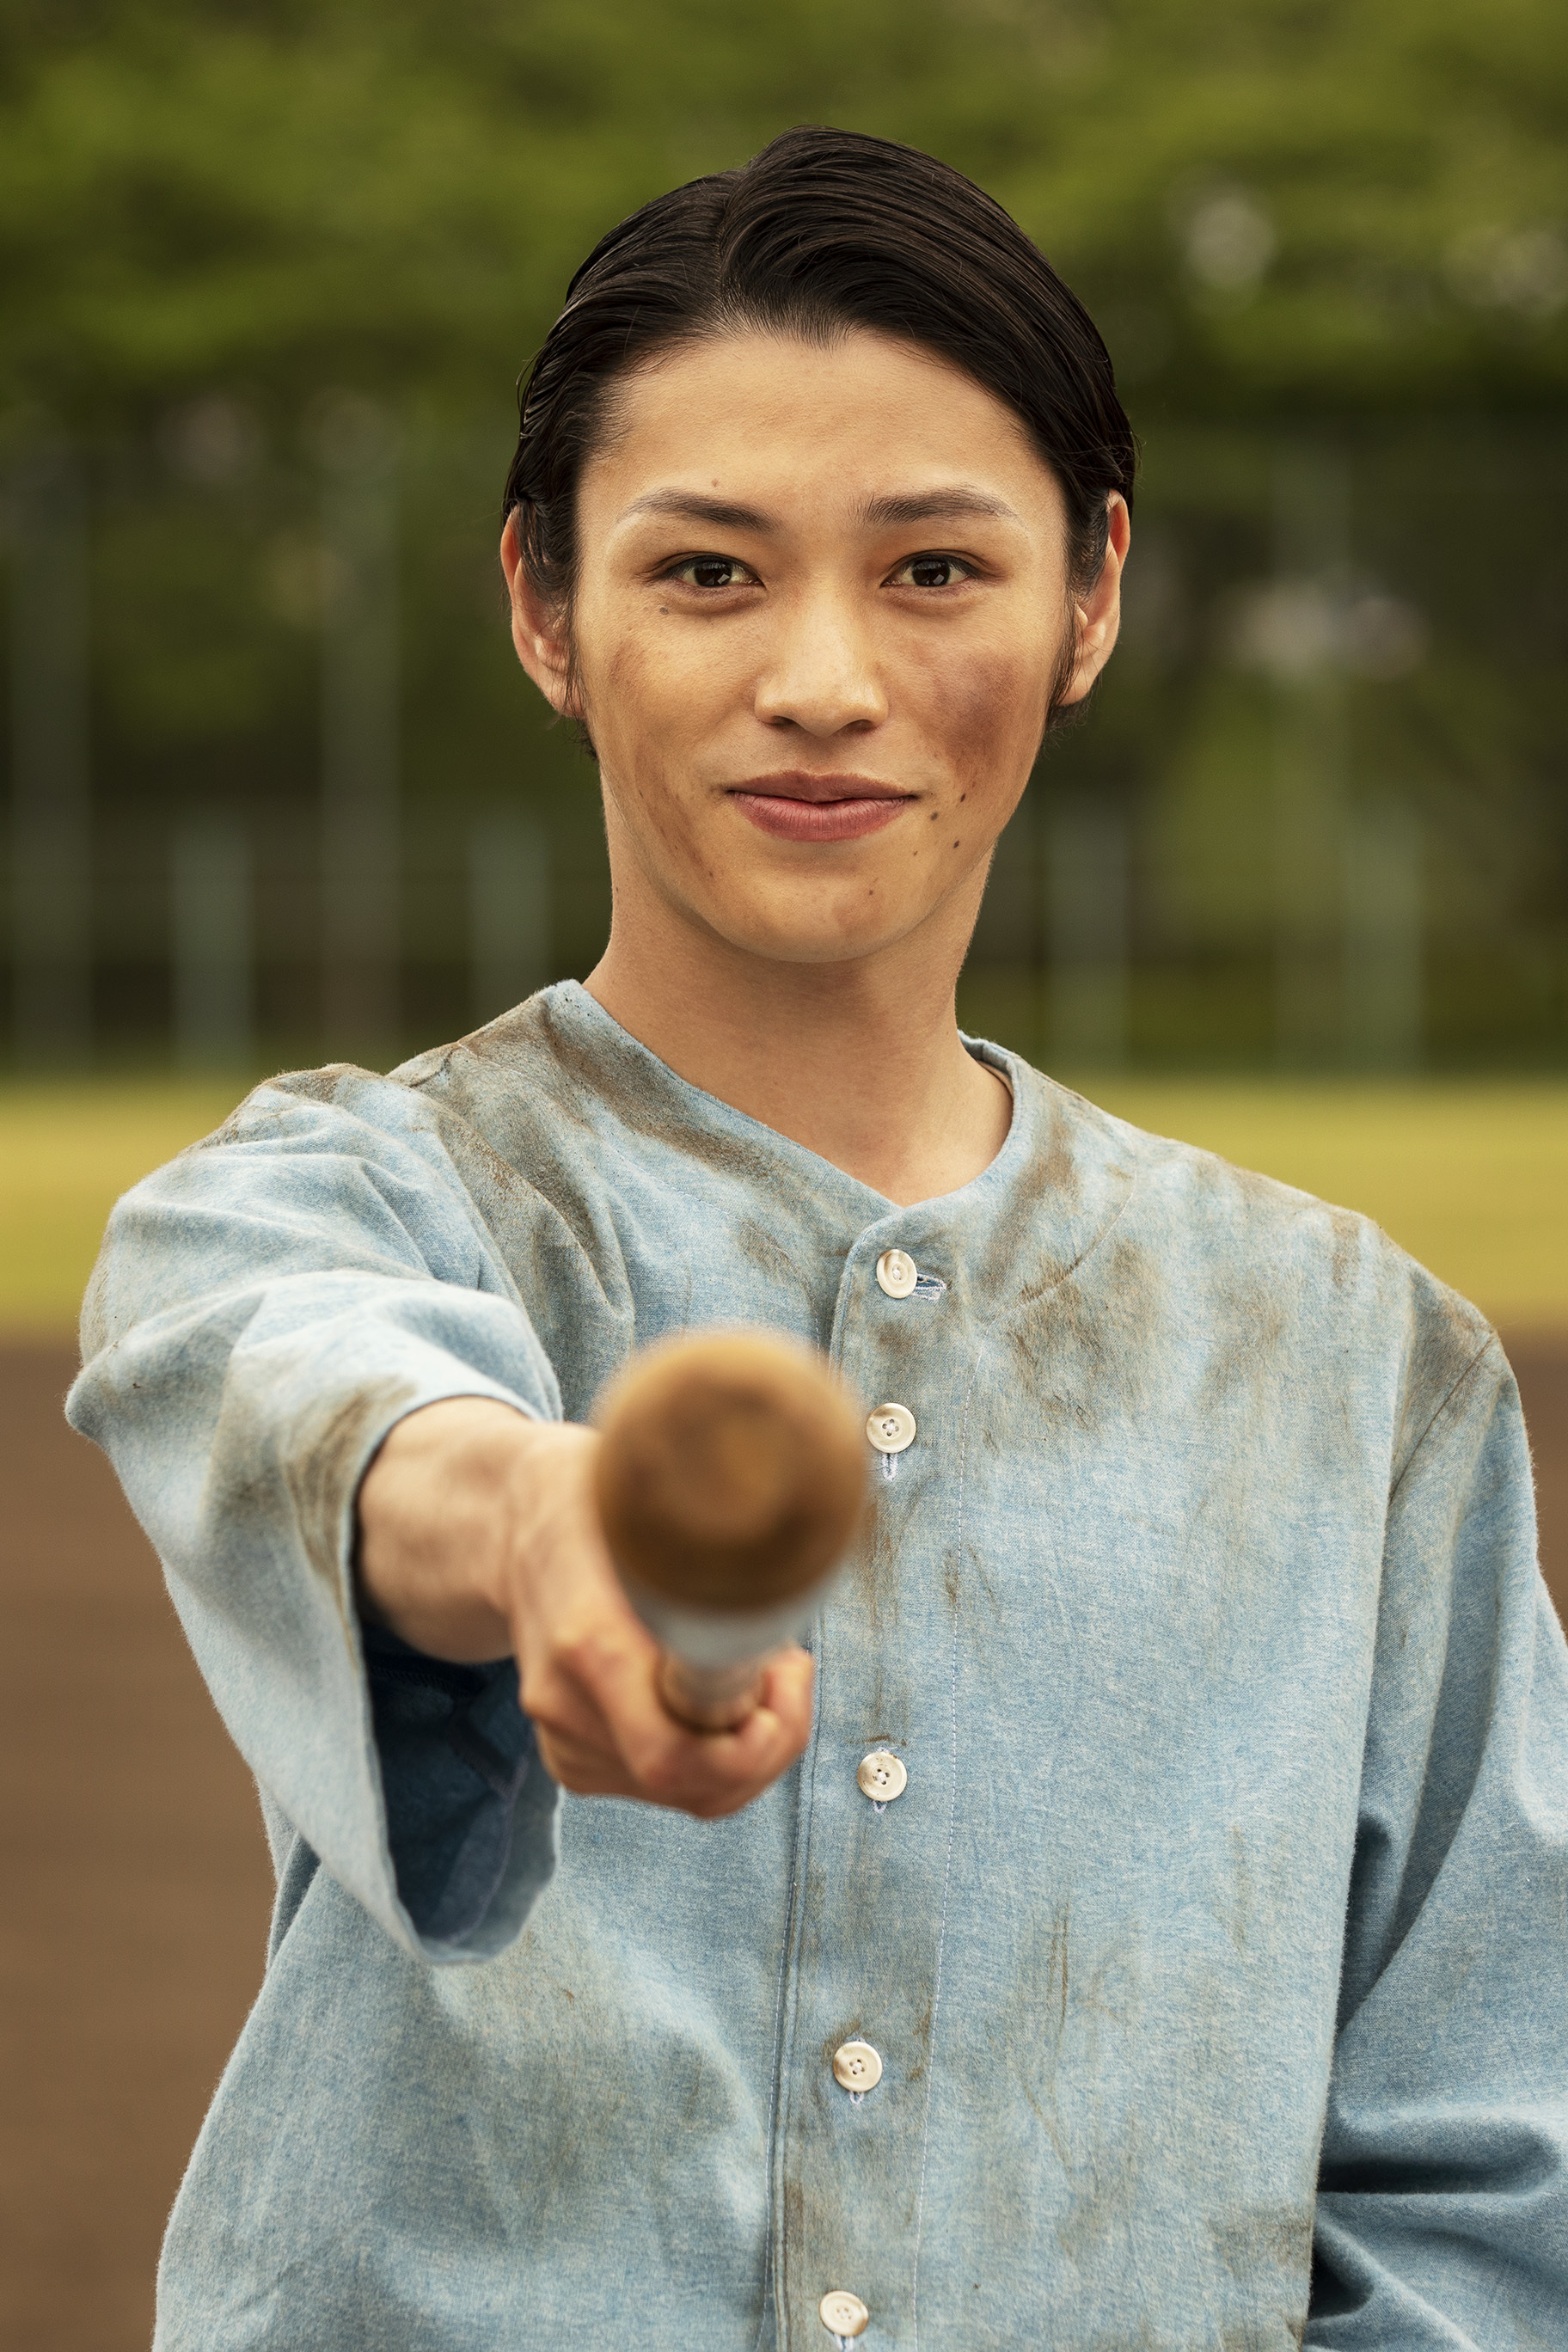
[(536, 627), (1097, 616)]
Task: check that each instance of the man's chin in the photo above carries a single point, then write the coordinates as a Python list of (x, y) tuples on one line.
[(835, 927)]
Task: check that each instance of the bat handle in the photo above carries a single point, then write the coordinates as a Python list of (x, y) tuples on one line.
[(715, 1662), (709, 1698)]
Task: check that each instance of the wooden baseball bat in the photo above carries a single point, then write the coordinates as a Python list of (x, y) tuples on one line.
[(731, 1482)]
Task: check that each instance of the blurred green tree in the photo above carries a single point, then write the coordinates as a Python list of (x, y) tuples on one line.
[(1277, 205), (1327, 241)]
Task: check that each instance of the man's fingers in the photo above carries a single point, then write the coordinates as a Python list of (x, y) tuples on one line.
[(573, 1673), (589, 1669), (787, 1690), (716, 1773), (603, 1731), (587, 1771)]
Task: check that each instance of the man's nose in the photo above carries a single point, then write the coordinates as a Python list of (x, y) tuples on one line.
[(823, 677)]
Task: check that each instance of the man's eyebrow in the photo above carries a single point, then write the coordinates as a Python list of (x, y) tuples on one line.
[(690, 506), (883, 513), (935, 505)]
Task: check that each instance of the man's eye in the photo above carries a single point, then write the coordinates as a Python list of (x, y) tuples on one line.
[(931, 571), (714, 571)]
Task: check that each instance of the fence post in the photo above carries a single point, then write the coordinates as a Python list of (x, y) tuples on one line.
[(1383, 937), (509, 911), (1312, 530), (358, 728), (52, 875), (210, 896), (1087, 933)]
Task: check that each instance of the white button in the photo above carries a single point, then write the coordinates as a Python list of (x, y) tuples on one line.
[(856, 2066), (843, 2314), (896, 1272), (883, 1777), (890, 1428)]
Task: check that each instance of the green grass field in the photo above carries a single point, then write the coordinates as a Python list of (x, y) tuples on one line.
[(1471, 1177)]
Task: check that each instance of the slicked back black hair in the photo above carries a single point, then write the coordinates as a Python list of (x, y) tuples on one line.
[(823, 232)]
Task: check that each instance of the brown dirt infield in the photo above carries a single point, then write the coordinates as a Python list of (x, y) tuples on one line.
[(137, 1884)]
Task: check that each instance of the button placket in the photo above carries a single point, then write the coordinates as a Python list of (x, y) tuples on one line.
[(851, 2158)]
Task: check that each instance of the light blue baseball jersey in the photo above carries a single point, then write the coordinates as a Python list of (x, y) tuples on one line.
[(1215, 1949)]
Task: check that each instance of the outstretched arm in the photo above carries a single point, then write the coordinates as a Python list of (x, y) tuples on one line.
[(269, 1312)]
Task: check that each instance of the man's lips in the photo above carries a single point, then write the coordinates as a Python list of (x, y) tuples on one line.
[(800, 806)]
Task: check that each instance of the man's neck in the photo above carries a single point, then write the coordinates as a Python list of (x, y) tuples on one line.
[(859, 1061)]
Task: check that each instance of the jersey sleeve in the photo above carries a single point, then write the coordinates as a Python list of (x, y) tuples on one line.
[(1442, 2216), (263, 1311)]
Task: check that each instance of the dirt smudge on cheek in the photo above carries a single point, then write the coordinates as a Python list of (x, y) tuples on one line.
[(991, 712)]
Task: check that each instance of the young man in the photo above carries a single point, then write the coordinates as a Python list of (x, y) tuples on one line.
[(1155, 1875)]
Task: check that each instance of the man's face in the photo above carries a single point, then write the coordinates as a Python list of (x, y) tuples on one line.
[(822, 604)]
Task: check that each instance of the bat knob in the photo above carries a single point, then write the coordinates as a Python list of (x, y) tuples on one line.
[(731, 1482)]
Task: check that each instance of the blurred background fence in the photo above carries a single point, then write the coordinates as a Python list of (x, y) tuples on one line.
[(278, 789), (275, 788)]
